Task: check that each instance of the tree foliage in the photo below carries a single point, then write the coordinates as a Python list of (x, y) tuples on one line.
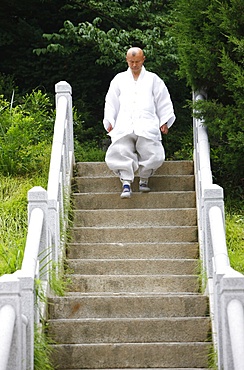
[(114, 27), (209, 39)]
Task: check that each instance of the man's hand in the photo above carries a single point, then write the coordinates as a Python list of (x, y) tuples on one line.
[(164, 129), (110, 127)]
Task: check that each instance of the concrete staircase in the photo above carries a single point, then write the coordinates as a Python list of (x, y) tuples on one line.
[(133, 301)]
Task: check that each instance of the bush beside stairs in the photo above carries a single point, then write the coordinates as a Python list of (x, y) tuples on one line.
[(134, 300)]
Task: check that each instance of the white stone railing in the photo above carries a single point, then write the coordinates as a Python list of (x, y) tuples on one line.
[(225, 286), (20, 308)]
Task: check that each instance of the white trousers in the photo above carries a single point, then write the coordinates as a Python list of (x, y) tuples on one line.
[(130, 153)]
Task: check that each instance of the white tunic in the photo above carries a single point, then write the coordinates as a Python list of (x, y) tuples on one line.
[(140, 107)]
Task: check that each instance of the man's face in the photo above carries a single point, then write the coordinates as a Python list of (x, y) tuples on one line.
[(135, 62)]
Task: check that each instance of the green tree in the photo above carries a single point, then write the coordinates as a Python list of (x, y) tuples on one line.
[(209, 39), (21, 27), (115, 26)]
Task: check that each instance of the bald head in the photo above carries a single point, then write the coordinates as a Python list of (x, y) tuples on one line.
[(132, 52), (135, 59)]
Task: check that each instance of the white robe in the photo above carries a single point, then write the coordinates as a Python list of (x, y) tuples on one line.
[(140, 107)]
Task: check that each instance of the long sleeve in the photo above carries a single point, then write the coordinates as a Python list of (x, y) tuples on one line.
[(112, 104), (164, 106)]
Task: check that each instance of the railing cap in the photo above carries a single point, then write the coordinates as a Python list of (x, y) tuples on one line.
[(9, 284), (213, 191), (37, 193), (8, 278), (63, 87)]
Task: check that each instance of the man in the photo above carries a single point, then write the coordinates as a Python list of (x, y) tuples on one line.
[(137, 109)]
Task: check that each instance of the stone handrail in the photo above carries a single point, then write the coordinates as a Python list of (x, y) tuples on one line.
[(47, 223), (224, 284)]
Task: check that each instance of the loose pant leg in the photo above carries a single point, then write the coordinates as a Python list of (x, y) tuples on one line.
[(121, 157), (151, 156)]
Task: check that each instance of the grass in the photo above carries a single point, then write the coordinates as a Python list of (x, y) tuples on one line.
[(13, 219), (42, 350), (235, 239)]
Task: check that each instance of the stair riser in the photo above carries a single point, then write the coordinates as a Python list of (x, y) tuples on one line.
[(101, 169), (128, 306), (130, 267), (110, 218), (130, 330), (138, 200), (136, 284), (140, 235), (111, 184), (131, 355), (135, 250), (151, 369)]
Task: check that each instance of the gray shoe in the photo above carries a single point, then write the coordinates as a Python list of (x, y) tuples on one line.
[(126, 193), (143, 187)]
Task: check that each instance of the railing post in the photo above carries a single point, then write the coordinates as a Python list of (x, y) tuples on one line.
[(10, 296), (37, 198), (54, 227), (220, 264), (213, 196), (28, 310), (62, 88), (231, 311)]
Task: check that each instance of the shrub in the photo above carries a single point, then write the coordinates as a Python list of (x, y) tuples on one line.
[(88, 152), (25, 134)]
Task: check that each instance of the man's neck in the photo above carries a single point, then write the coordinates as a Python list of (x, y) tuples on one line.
[(136, 75)]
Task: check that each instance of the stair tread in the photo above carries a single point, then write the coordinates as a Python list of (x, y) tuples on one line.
[(135, 234), (134, 266), (137, 276), (136, 354), (136, 217), (105, 200), (155, 260), (111, 176), (182, 167), (137, 193), (130, 330), (130, 319), (127, 294), (148, 250)]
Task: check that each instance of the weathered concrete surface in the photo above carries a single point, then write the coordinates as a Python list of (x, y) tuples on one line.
[(133, 297)]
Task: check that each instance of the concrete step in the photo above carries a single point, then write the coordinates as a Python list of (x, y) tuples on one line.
[(100, 169), (136, 330), (156, 183), (133, 355), (136, 217), (134, 234), (78, 305), (133, 283), (133, 298), (133, 250), (170, 199), (133, 266)]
